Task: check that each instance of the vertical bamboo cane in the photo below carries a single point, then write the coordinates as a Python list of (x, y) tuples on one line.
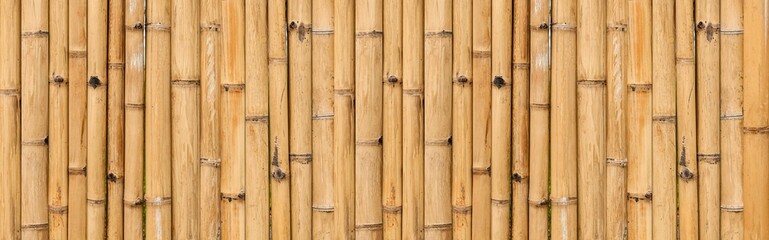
[(278, 105), (663, 120), (756, 123), (520, 176), (686, 120), (591, 118), (462, 119), (323, 205), (563, 147), (392, 123), (116, 120), (133, 197), (34, 115), (185, 117), (344, 118), (76, 212), (731, 120), (257, 140), (158, 120), (97, 119), (481, 73), (501, 107), (10, 126), (539, 105), (413, 120), (58, 125)]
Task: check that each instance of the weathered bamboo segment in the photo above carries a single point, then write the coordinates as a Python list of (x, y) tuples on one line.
[(539, 105), (392, 124), (96, 155), (115, 119), (58, 125), (520, 175), (344, 119), (563, 124), (756, 122), (731, 120), (591, 119), (257, 141), (185, 118), (663, 120), (10, 125), (462, 119), (78, 87), (501, 106), (413, 120), (133, 195), (481, 98), (158, 121)]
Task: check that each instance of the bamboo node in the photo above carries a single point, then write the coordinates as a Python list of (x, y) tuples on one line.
[(392, 79), (563, 201), (731, 31), (58, 80), (78, 54), (229, 197), (736, 116), (755, 130), (94, 82), (322, 32), (482, 170), (499, 82), (158, 201), (301, 158), (373, 34), (521, 66), (544, 202), (115, 66), (621, 27), (96, 202), (324, 209), (211, 162), (709, 158), (278, 174), (134, 105), (344, 92), (540, 27), (236, 87), (10, 92), (211, 27), (257, 118), (369, 142), (543, 106), (113, 177), (439, 34), (57, 209), (392, 209), (683, 60), (686, 174), (481, 54), (500, 202), (439, 227), (438, 142), (640, 196), (461, 79), (158, 27), (35, 142), (34, 227), (592, 82), (617, 162), (664, 119), (134, 203), (736, 209), (519, 178), (462, 209), (76, 171), (328, 116), (139, 26), (641, 87), (35, 34), (185, 82), (368, 227), (278, 60), (564, 27), (413, 92)]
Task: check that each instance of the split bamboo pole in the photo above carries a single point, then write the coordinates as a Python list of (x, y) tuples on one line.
[(76, 212), (96, 157), (344, 119), (756, 122), (115, 119), (133, 195), (462, 119), (323, 205), (413, 120), (58, 125), (278, 106), (501, 107), (539, 105), (481, 98), (185, 118), (158, 120), (392, 122), (520, 175), (563, 144), (663, 120), (731, 121), (257, 141), (591, 119), (300, 116), (686, 120), (10, 126)]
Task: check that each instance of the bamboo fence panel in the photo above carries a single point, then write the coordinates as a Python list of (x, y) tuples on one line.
[(10, 125), (58, 125)]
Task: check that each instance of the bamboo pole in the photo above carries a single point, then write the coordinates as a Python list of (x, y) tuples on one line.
[(539, 105), (257, 140), (481, 97), (731, 121), (58, 126), (663, 120), (34, 115), (76, 212), (591, 119), (520, 175), (462, 119), (96, 157), (278, 105), (563, 144), (133, 197), (185, 117), (392, 124), (158, 121), (116, 120), (501, 107), (323, 205), (344, 119), (10, 126), (756, 122)]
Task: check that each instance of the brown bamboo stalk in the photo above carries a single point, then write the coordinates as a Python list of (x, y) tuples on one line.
[(185, 117), (278, 105), (663, 120), (133, 195), (539, 105), (616, 132), (591, 119), (323, 205), (158, 121), (58, 126), (520, 175), (10, 126), (344, 119), (96, 155), (756, 122), (731, 120), (116, 120), (462, 119), (501, 107), (563, 144), (76, 212), (481, 97), (392, 123), (34, 115), (257, 140)]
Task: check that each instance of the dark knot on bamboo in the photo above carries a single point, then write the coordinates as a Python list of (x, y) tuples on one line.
[(709, 28), (462, 79), (58, 79), (640, 197), (94, 82), (234, 197), (113, 177), (686, 174), (499, 81), (392, 79), (518, 177)]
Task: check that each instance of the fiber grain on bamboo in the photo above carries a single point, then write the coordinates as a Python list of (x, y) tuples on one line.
[(278, 106), (58, 125), (462, 120), (78, 87), (616, 141), (481, 75), (116, 120), (392, 123), (97, 119), (539, 105), (520, 175), (10, 126), (501, 108), (344, 119)]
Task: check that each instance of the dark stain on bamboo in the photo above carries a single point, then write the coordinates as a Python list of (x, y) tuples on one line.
[(94, 82), (392, 79), (709, 28), (301, 29), (498, 81), (277, 173), (112, 177)]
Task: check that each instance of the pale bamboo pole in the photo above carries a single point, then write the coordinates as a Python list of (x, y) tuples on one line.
[(96, 155), (257, 140), (115, 120), (185, 118), (413, 120), (663, 120), (462, 119), (158, 121), (563, 144), (539, 105), (392, 122), (76, 212), (344, 119), (323, 204), (686, 121), (34, 116), (58, 126), (731, 120), (278, 106), (481, 97), (10, 126), (501, 108), (133, 195), (520, 167), (756, 122), (591, 119)]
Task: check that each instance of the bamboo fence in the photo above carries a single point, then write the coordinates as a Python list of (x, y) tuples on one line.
[(384, 119)]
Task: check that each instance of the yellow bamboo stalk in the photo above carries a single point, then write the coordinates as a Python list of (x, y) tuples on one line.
[(278, 105), (10, 126), (76, 212), (116, 120), (731, 120), (413, 119), (462, 119), (392, 123), (501, 107), (158, 121), (133, 195), (616, 131), (58, 126), (344, 119), (97, 119), (686, 117), (663, 120), (539, 105), (257, 140), (520, 175)]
